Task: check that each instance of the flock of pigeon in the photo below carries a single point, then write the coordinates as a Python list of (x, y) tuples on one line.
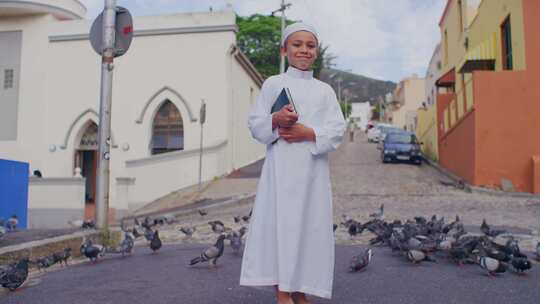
[(14, 275), (418, 240), (422, 240)]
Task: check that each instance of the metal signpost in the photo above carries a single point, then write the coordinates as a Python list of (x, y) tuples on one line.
[(110, 36), (202, 119)]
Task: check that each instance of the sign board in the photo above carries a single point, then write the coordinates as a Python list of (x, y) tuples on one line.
[(123, 32)]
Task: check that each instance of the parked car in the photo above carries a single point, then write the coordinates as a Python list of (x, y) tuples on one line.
[(385, 131), (374, 133), (401, 146)]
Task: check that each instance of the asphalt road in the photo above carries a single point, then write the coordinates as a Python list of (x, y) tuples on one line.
[(165, 278)]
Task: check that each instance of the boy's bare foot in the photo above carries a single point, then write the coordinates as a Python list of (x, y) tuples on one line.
[(283, 297), (299, 298)]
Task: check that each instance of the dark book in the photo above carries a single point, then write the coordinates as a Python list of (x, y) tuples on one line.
[(282, 100)]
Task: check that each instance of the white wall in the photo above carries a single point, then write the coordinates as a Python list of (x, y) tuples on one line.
[(244, 93), (361, 113), (59, 95), (52, 202)]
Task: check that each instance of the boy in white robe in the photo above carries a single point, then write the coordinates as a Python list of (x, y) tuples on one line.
[(290, 241)]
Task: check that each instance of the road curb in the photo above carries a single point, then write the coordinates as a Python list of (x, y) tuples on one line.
[(469, 188), (40, 248)]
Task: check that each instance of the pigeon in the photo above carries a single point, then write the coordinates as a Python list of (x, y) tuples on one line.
[(91, 251), (126, 247), (202, 212), (62, 257), (246, 218), (242, 231), (521, 263), (217, 226), (88, 224), (237, 219), (488, 231), (417, 256), (188, 231), (15, 275), (148, 234), (361, 261), (12, 222), (492, 266), (379, 214), (155, 243), (211, 254), (537, 252), (236, 241), (136, 234), (44, 262)]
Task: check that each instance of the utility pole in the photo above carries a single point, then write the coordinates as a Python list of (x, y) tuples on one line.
[(202, 119), (282, 9), (104, 133)]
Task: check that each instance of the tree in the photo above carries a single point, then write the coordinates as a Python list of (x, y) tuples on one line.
[(259, 37), (345, 108)]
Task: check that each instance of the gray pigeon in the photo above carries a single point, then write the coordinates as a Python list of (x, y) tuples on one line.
[(62, 257), (492, 266), (15, 275), (12, 222), (188, 231), (379, 214), (417, 256), (360, 262), (44, 262), (217, 226), (126, 247), (91, 251), (155, 243), (211, 254), (236, 241), (488, 231), (521, 263)]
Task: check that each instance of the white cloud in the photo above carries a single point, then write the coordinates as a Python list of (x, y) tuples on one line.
[(389, 39)]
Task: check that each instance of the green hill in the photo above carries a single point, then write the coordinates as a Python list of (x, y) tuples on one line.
[(364, 88)]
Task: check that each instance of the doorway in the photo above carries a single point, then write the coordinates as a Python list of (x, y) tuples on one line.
[(86, 160)]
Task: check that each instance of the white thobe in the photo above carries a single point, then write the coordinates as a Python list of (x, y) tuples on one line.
[(290, 240)]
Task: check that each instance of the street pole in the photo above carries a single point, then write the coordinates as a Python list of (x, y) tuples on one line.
[(104, 133), (282, 9), (202, 119), (282, 62)]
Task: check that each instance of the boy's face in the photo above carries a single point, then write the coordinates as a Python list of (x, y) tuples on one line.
[(301, 49)]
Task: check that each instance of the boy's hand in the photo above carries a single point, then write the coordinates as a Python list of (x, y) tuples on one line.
[(296, 133), (285, 118)]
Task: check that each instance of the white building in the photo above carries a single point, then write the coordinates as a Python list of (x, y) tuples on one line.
[(361, 114), (50, 101)]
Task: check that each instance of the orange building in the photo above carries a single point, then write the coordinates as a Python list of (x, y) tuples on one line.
[(488, 106)]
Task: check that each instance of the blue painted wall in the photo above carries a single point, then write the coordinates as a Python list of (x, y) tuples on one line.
[(14, 190)]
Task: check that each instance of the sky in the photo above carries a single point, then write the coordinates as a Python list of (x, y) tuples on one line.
[(382, 39)]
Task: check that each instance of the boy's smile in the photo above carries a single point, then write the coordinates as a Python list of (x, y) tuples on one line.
[(301, 49)]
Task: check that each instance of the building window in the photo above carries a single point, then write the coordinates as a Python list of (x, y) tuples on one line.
[(167, 130), (8, 79), (506, 34)]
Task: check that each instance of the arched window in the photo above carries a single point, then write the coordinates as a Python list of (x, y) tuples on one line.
[(167, 130)]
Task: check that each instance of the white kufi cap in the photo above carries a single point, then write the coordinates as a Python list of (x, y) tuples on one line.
[(297, 27)]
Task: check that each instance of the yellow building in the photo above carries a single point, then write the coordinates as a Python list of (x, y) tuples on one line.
[(487, 113)]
